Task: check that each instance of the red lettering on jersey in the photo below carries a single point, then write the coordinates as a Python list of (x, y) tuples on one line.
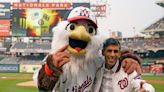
[(123, 83)]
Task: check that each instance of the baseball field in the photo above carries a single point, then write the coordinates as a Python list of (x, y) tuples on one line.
[(22, 82)]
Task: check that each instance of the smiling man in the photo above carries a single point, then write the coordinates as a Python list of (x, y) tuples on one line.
[(112, 78)]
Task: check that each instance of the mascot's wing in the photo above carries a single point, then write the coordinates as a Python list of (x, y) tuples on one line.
[(60, 36)]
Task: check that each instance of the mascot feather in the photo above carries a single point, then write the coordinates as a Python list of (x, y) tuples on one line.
[(79, 33)]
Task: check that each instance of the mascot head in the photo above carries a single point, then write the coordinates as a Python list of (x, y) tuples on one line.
[(79, 32), (82, 27)]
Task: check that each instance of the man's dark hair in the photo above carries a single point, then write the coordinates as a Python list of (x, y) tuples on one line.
[(111, 41)]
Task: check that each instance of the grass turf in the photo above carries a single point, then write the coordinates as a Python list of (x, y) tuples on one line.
[(158, 87), (9, 85)]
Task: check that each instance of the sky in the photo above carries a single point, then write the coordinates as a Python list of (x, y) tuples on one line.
[(130, 16), (127, 16)]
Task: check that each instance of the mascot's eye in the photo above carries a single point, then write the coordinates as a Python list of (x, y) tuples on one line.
[(71, 26), (91, 30)]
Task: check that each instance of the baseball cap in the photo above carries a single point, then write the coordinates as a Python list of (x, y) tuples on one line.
[(81, 12)]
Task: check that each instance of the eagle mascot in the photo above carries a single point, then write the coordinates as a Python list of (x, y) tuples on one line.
[(79, 33)]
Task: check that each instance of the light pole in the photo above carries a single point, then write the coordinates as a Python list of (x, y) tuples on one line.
[(134, 29)]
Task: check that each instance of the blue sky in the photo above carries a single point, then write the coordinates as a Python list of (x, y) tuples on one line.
[(127, 14)]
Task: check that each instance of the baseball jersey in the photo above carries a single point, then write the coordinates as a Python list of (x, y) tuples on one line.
[(112, 81), (82, 82)]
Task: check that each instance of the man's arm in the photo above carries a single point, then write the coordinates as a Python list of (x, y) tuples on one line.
[(51, 70), (130, 62)]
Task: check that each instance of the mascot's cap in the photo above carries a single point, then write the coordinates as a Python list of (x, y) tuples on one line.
[(82, 13)]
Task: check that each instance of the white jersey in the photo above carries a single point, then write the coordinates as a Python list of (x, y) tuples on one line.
[(81, 83), (121, 82)]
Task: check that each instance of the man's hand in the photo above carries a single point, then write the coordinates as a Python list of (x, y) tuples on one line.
[(61, 57), (131, 65), (141, 87)]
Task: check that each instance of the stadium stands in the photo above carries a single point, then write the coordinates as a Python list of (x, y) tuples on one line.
[(33, 60), (145, 48), (19, 45), (10, 60), (158, 25), (22, 45), (31, 47), (155, 29)]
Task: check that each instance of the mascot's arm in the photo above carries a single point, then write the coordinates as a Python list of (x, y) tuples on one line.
[(48, 75), (130, 62)]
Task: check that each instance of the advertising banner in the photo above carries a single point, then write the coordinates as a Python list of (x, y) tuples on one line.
[(4, 10), (156, 68), (29, 0), (9, 68), (22, 5), (146, 68), (99, 10), (81, 4), (35, 22), (4, 27), (29, 68)]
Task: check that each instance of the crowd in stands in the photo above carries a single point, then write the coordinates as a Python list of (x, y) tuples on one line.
[(158, 25), (143, 44), (33, 60), (22, 45)]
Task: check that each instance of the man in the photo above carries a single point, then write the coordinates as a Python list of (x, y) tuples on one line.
[(112, 78), (75, 59)]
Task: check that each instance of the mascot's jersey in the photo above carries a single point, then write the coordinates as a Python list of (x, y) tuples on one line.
[(81, 83)]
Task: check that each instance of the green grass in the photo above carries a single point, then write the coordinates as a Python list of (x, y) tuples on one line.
[(15, 74), (153, 77), (158, 87), (9, 85)]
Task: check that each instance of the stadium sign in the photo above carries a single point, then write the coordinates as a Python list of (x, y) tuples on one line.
[(9, 68), (29, 68), (35, 22), (4, 10), (4, 27), (42, 5), (99, 10)]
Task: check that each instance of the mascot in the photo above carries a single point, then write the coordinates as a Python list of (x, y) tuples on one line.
[(79, 36)]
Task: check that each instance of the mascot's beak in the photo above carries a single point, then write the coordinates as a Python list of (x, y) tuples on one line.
[(78, 40)]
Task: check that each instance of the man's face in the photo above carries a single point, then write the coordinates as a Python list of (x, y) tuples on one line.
[(111, 53)]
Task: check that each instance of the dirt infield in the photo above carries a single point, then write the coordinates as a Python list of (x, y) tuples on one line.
[(28, 83), (16, 77), (155, 81)]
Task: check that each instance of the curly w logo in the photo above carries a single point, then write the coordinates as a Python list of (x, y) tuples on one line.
[(84, 13), (123, 83)]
